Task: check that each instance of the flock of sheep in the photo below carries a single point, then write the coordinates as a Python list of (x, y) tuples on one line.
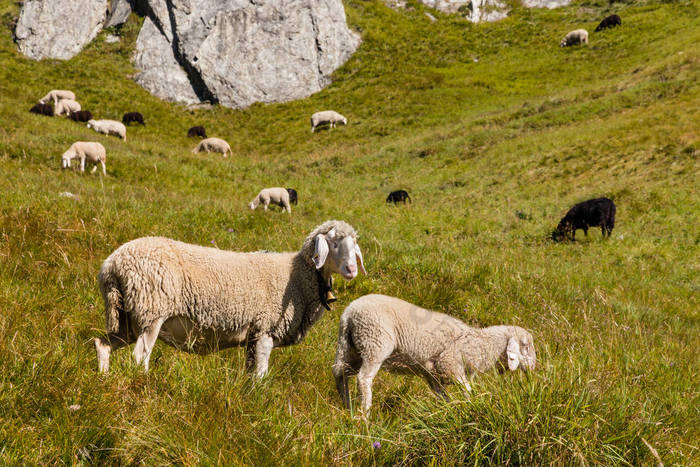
[(580, 36)]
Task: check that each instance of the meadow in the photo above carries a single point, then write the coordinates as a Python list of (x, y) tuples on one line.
[(493, 129)]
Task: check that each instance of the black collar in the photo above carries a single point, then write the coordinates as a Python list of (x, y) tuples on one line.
[(325, 291)]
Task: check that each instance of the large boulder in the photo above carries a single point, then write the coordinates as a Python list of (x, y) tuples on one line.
[(119, 11)]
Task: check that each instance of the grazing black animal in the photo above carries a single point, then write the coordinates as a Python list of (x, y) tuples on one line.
[(609, 22), (42, 109), (132, 117), (197, 131), (591, 213), (292, 195), (81, 116), (397, 196)]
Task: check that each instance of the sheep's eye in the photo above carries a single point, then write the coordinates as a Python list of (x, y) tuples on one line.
[(335, 245)]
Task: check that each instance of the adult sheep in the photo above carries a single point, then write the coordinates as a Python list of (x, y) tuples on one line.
[(85, 151), (66, 107), (590, 213), (213, 145), (42, 109), (108, 127), (56, 95), (577, 36), (277, 195), (81, 116), (327, 117), (200, 299), (609, 22), (398, 196), (380, 331), (135, 117), (197, 131)]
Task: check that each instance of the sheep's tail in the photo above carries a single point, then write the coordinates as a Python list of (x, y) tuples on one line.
[(340, 367), (112, 296)]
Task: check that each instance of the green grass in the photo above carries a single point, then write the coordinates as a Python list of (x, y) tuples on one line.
[(527, 127)]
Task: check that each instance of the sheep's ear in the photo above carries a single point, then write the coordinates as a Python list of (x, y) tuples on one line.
[(320, 251), (358, 256), (513, 354)]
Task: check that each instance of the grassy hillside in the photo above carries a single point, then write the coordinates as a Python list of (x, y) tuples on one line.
[(495, 132)]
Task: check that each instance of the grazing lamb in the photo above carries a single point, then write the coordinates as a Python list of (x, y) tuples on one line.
[(81, 116), (66, 107), (213, 145), (380, 331), (277, 195), (293, 197), (578, 36), (108, 127), (42, 109), (591, 213), (398, 196), (609, 22), (327, 117), (200, 299), (85, 151), (197, 131), (56, 95), (133, 117)]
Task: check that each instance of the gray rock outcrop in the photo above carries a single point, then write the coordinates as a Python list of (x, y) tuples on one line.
[(119, 11), (485, 10)]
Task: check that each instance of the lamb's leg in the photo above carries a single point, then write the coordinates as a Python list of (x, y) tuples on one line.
[(145, 342), (341, 382), (104, 168), (104, 347), (263, 348), (82, 163), (365, 377), (94, 167), (464, 381)]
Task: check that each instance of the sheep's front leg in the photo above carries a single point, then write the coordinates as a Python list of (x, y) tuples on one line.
[(82, 163), (263, 348), (365, 377), (464, 381)]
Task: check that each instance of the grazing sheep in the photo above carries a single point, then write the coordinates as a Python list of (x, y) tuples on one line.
[(81, 116), (133, 117), (293, 197), (591, 213), (380, 331), (200, 299), (42, 109), (85, 151), (277, 195), (213, 145), (327, 117), (609, 22), (108, 127), (398, 196), (56, 95), (66, 107), (578, 36), (197, 131)]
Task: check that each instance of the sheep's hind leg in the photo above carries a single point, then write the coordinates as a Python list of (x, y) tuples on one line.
[(104, 347), (365, 377), (145, 342)]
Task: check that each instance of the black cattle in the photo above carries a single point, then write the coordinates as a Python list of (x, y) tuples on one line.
[(292, 195), (132, 117), (42, 109), (591, 213), (197, 131), (397, 196), (81, 116), (609, 22)]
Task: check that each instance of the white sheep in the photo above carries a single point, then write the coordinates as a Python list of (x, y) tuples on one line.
[(577, 36), (56, 95), (213, 145), (108, 127), (277, 195), (327, 116), (202, 299), (380, 331), (85, 151), (66, 107)]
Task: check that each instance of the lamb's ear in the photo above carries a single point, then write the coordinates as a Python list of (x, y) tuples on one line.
[(358, 256), (513, 354), (320, 251)]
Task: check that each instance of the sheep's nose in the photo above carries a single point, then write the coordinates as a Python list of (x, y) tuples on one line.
[(352, 269)]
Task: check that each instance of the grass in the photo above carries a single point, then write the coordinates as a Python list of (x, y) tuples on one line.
[(495, 132)]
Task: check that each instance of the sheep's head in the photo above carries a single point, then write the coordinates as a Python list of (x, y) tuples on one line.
[(520, 352), (91, 123), (333, 246), (563, 230), (345, 121), (66, 158)]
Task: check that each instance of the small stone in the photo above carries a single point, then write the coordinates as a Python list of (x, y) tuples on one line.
[(112, 39), (74, 407)]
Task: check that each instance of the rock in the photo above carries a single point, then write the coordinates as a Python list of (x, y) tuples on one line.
[(119, 11), (58, 28), (430, 17), (112, 39), (486, 10)]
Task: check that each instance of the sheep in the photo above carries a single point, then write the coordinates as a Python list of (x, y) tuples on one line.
[(327, 116), (108, 127), (197, 131), (200, 299), (577, 36), (92, 152), (213, 145), (56, 95), (66, 107), (380, 331), (277, 195), (398, 196), (133, 117), (42, 109), (590, 213), (609, 22), (293, 197), (81, 116)]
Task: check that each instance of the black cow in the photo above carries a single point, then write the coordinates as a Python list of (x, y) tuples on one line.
[(132, 117), (397, 196), (81, 116), (197, 131), (42, 109), (292, 195), (609, 22), (591, 213)]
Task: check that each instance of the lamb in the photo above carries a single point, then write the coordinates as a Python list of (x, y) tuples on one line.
[(66, 107), (200, 299), (277, 195), (377, 330), (85, 151), (42, 109), (327, 117), (577, 36), (398, 196), (197, 131), (56, 95), (81, 116), (609, 22), (590, 213), (133, 117), (293, 197), (213, 145), (108, 127)]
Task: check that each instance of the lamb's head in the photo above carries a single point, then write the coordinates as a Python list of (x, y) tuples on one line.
[(333, 246), (520, 351), (66, 158), (344, 121), (91, 124)]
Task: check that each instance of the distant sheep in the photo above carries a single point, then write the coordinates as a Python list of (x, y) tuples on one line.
[(197, 131), (591, 213), (108, 127), (578, 36), (609, 22), (330, 117), (292, 195), (81, 116), (56, 95), (133, 117), (85, 151), (66, 107), (213, 145), (42, 109), (277, 195), (398, 196)]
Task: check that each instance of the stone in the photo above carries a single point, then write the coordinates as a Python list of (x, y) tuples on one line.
[(119, 11), (111, 39)]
